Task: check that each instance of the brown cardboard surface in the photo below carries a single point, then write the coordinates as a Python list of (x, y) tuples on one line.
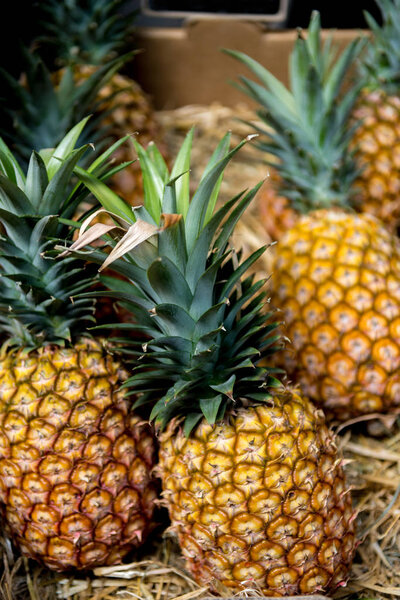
[(185, 65)]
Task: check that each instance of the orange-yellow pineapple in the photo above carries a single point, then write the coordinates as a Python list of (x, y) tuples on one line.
[(259, 499), (76, 487), (75, 461), (337, 274), (251, 476), (337, 280), (377, 114)]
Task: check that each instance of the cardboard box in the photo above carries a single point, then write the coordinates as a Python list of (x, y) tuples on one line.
[(180, 66)]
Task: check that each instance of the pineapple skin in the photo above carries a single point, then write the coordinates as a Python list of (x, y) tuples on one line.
[(337, 281), (377, 143), (259, 500), (76, 464), (274, 210)]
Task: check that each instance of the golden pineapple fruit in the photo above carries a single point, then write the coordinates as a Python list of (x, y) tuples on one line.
[(75, 461), (377, 143), (337, 280), (259, 500), (376, 137)]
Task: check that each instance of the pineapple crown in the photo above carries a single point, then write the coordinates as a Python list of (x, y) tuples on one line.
[(308, 133), (204, 320), (36, 112), (380, 66), (85, 31), (36, 291)]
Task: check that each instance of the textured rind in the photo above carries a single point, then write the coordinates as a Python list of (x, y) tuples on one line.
[(337, 281), (259, 501), (75, 463), (275, 212), (377, 143)]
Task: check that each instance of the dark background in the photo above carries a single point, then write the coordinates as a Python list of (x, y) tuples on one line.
[(22, 19), (334, 13)]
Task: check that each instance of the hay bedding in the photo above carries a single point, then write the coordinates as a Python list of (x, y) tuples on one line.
[(372, 463)]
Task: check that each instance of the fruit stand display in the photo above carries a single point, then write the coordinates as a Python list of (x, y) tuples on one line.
[(371, 461), (267, 501)]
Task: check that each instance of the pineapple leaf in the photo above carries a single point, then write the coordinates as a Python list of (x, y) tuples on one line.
[(337, 74), (240, 270), (209, 321), (180, 172), (142, 213), (168, 282), (104, 156), (158, 160), (175, 342), (12, 198), (45, 228), (210, 407), (174, 320), (65, 148), (221, 150), (313, 40), (226, 387), (10, 167), (267, 79), (196, 261), (205, 288), (169, 203), (107, 198), (233, 219), (36, 179), (205, 326), (153, 183), (190, 423), (53, 198), (137, 233), (310, 142), (198, 207)]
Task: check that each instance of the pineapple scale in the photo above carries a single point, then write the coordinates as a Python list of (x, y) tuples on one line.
[(259, 501), (377, 143), (337, 280), (75, 462)]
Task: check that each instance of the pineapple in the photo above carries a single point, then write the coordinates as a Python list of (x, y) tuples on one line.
[(251, 476), (85, 34), (278, 212), (337, 273), (377, 114), (43, 112), (75, 462)]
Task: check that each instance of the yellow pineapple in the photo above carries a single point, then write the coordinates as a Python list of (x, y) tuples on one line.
[(337, 274), (338, 283), (251, 475), (377, 114), (259, 499), (76, 487)]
